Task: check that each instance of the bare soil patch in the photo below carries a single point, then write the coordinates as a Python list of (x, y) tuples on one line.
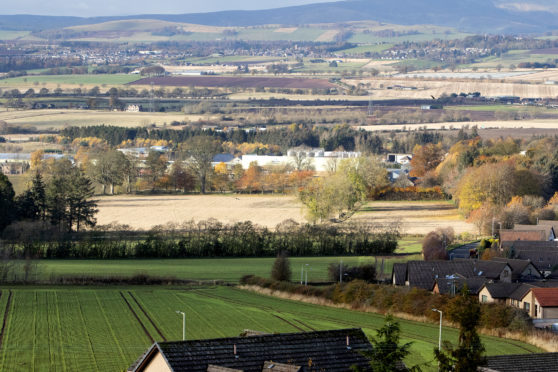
[(241, 82)]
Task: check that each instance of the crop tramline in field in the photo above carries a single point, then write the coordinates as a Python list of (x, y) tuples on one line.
[(106, 329)]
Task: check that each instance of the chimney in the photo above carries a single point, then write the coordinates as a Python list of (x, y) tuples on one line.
[(234, 351), (348, 344)]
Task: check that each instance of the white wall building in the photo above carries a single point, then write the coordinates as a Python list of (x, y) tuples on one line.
[(317, 159)]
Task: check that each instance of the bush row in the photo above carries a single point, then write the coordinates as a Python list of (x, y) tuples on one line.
[(411, 193), (392, 299), (214, 239)]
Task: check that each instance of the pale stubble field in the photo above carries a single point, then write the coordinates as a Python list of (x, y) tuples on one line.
[(145, 212)]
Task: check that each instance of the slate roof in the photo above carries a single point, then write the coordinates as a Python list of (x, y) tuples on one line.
[(524, 244), (423, 274), (521, 291), (547, 297), (517, 266), (543, 362), (542, 259), (314, 351), (473, 284), (502, 290), (399, 273), (280, 367), (490, 269)]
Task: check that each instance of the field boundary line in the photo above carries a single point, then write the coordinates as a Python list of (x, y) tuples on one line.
[(147, 316), (136, 316), (5, 320)]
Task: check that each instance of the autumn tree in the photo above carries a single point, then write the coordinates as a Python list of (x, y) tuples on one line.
[(157, 164), (200, 151), (434, 246), (181, 178), (252, 179), (426, 158)]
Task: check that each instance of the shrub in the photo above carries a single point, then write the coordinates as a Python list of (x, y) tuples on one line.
[(281, 270)]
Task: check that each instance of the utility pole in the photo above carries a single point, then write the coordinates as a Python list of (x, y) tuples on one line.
[(341, 271)]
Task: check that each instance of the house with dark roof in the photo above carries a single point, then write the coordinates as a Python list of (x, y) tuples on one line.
[(547, 362), (455, 285), (497, 292), (520, 269), (336, 350), (423, 274), (399, 273), (545, 260), (511, 246)]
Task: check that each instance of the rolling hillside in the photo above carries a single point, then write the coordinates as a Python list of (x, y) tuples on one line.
[(497, 16)]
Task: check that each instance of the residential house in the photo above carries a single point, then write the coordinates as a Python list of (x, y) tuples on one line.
[(547, 362), (521, 270), (537, 234), (456, 285), (423, 274), (336, 350), (548, 232), (541, 303), (497, 292)]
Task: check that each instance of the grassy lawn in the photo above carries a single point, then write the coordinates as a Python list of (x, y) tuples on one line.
[(227, 269), (107, 329)]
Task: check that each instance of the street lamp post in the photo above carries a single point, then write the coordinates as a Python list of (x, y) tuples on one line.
[(183, 324), (306, 279), (440, 334)]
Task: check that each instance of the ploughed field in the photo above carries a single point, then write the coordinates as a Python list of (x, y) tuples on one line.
[(240, 82), (107, 329)]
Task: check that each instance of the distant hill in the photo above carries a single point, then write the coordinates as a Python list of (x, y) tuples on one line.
[(497, 16)]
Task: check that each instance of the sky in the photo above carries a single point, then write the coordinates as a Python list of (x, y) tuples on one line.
[(93, 8)]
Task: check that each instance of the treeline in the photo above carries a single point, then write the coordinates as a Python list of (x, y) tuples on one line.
[(502, 182), (203, 239), (285, 137)]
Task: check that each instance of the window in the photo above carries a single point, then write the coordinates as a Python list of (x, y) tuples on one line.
[(484, 298), (527, 306), (536, 310)]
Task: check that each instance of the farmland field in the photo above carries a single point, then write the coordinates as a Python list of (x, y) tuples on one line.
[(58, 119), (415, 217), (546, 126), (265, 210), (241, 82), (223, 269), (49, 81), (92, 329)]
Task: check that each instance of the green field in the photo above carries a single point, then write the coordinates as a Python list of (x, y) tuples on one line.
[(226, 269), (93, 79), (92, 329)]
